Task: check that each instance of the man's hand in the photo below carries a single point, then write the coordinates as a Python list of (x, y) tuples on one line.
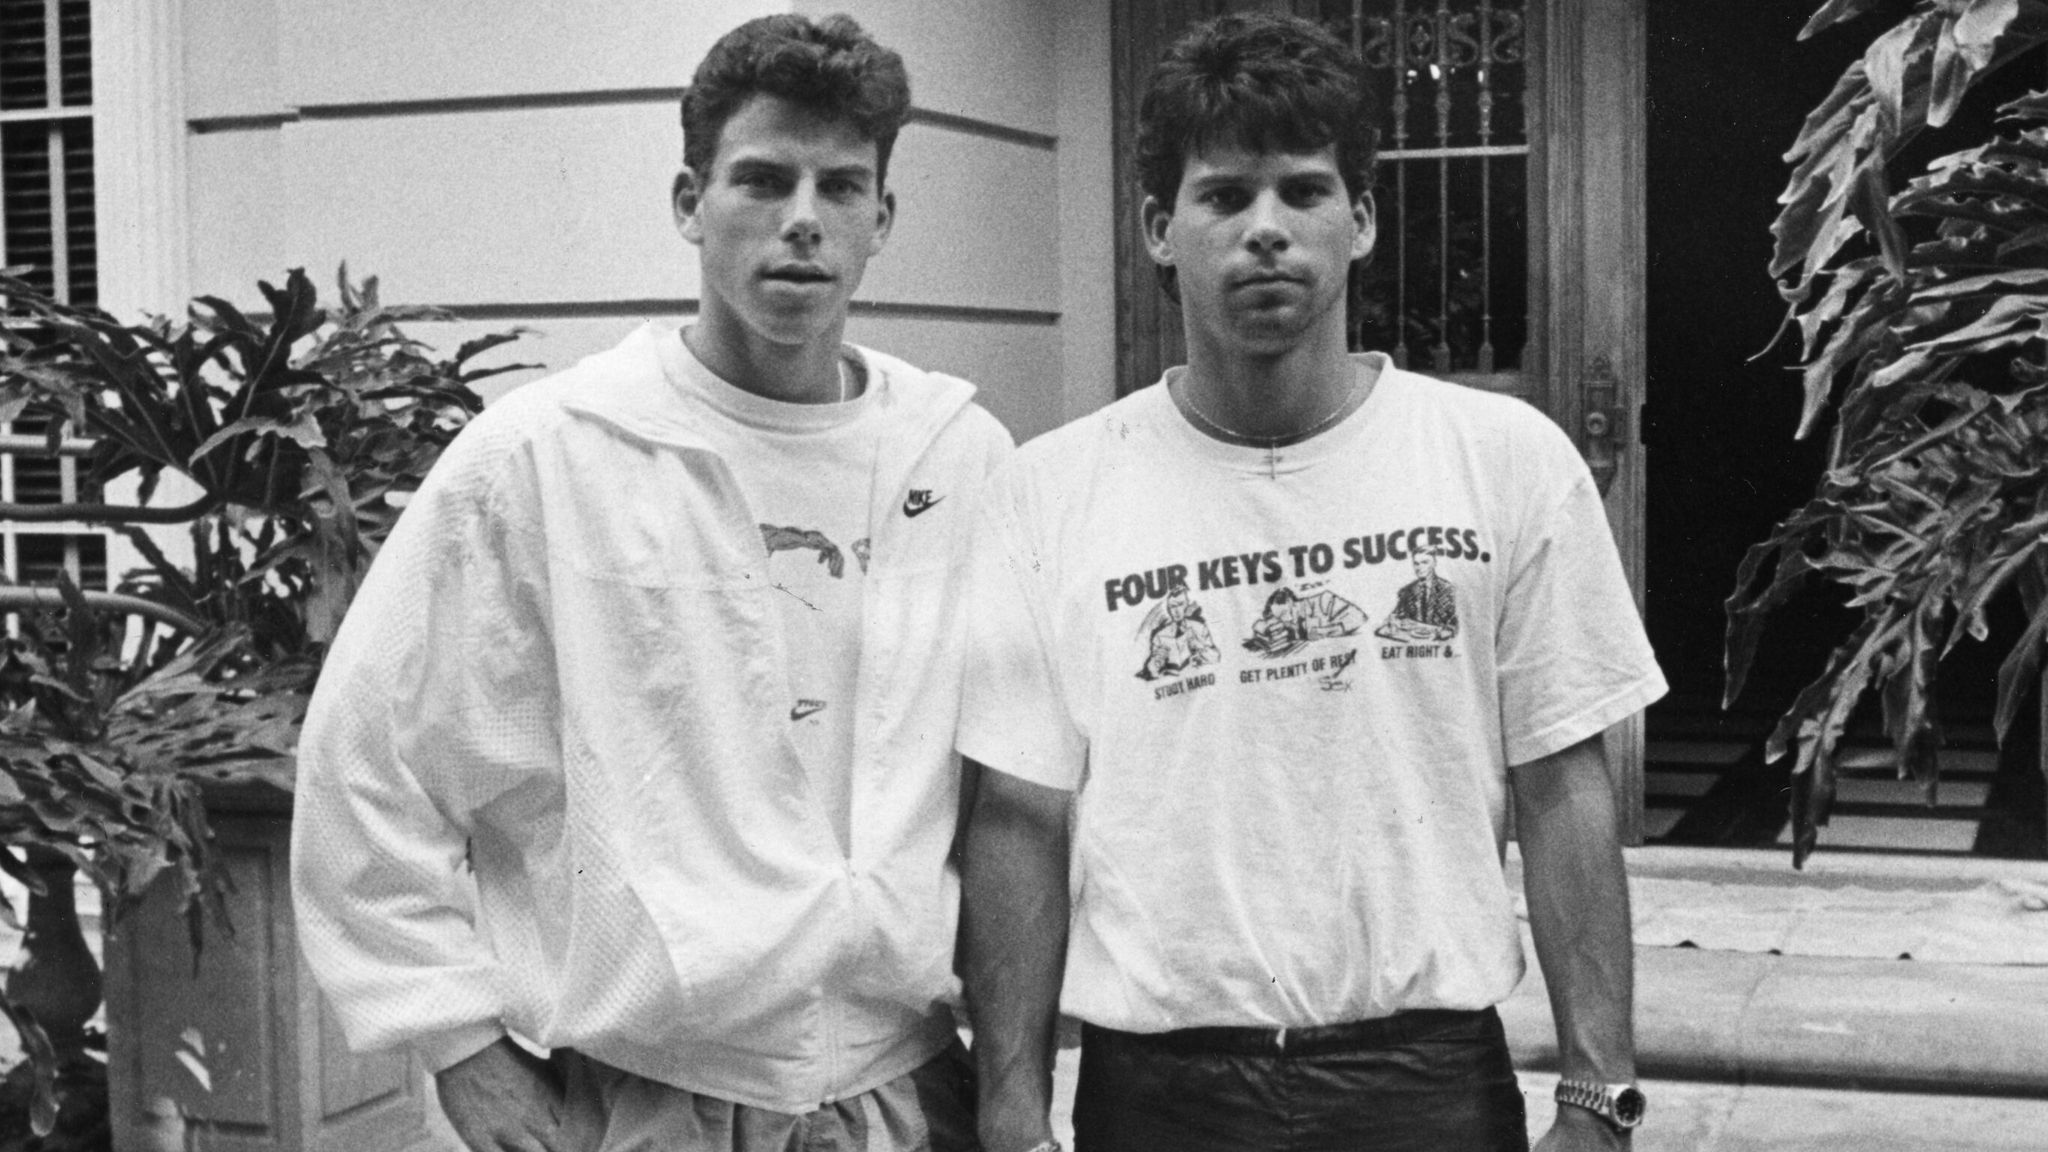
[(503, 1099), (1577, 1130)]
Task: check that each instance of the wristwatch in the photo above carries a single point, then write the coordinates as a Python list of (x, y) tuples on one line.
[(1621, 1105), (1045, 1146)]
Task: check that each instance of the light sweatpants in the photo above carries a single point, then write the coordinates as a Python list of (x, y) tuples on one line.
[(929, 1109)]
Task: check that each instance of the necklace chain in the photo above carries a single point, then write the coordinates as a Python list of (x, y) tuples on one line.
[(852, 377), (1269, 443)]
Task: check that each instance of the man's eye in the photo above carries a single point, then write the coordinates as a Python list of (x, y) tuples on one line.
[(1225, 199)]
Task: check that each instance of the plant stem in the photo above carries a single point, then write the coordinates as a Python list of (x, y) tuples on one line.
[(57, 979), (16, 598), (102, 513)]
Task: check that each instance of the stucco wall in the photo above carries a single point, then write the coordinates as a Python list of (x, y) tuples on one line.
[(511, 159)]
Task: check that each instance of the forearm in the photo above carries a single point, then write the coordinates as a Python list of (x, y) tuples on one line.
[(437, 697), (1577, 893), (385, 912), (388, 929), (1015, 911)]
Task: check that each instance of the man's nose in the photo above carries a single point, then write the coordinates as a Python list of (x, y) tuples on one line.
[(801, 225), (1266, 229)]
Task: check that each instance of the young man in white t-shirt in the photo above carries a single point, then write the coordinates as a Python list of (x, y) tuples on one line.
[(1268, 878), (637, 743)]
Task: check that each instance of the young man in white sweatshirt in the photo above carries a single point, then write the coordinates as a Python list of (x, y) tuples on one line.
[(637, 742)]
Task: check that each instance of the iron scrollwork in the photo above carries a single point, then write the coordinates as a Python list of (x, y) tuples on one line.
[(1448, 38)]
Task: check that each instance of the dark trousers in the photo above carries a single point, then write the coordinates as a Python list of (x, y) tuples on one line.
[(1426, 1081)]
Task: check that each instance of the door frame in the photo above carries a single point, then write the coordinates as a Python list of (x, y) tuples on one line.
[(1596, 263)]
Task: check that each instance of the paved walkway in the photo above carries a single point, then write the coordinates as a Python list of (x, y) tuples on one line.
[(1778, 1010)]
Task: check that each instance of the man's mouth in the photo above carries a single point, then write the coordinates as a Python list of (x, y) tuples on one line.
[(797, 274), (1265, 280)]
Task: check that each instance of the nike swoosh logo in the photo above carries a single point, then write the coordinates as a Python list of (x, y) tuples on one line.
[(806, 708), (914, 509)]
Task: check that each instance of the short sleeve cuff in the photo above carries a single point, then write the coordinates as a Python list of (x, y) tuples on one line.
[(1524, 748), (1053, 768), (445, 1049)]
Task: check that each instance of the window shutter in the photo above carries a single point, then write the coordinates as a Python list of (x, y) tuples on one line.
[(74, 52), (24, 55), (46, 199)]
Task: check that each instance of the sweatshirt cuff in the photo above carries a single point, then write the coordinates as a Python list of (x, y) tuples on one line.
[(445, 1049)]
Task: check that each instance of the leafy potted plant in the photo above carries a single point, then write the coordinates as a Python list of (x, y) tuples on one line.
[(299, 434), (1922, 309)]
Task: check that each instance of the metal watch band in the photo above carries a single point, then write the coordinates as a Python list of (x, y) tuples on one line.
[(1045, 1146), (1619, 1104)]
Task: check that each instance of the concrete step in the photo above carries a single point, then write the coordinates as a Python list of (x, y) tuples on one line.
[(1847, 1011), (1890, 1025), (1825, 1039)]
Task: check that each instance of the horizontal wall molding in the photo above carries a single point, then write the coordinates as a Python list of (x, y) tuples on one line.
[(681, 306), (452, 106), (265, 122), (536, 101), (573, 310), (882, 309), (459, 105), (967, 125)]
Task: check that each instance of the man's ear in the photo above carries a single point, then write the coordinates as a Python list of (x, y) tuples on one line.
[(1155, 217), (1368, 230), (885, 219), (684, 197)]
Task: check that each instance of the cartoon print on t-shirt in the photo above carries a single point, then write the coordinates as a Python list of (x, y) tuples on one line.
[(779, 539), (1426, 608), (860, 552), (1176, 636), (1290, 621)]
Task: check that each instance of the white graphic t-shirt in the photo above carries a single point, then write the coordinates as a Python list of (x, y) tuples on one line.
[(807, 471), (1286, 688)]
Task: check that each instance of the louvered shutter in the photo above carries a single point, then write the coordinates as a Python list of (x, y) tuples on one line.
[(46, 198)]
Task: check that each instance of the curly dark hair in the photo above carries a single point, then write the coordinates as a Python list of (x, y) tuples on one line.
[(1271, 83), (829, 66)]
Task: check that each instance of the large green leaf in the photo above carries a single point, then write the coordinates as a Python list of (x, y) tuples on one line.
[(2010, 320), (1964, 49), (1886, 63), (301, 428), (297, 427), (2001, 282), (1935, 496), (2020, 668), (1835, 12), (42, 1061)]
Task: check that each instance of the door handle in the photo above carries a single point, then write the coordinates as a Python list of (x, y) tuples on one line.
[(1603, 423)]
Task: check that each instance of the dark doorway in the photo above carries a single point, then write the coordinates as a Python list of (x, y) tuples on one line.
[(1729, 87)]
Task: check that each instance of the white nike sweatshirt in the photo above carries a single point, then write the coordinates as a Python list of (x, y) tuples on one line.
[(563, 669)]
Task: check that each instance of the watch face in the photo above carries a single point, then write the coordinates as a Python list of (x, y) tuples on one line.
[(1629, 1105)]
